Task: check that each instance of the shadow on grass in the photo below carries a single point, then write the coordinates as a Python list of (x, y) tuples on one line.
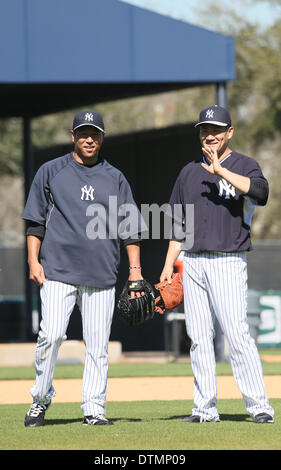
[(237, 417), (223, 417), (52, 422), (129, 420)]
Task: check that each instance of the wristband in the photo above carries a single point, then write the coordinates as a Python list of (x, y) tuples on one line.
[(134, 267)]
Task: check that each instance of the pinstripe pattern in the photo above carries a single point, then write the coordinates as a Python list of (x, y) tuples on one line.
[(96, 331), (215, 285), (96, 306)]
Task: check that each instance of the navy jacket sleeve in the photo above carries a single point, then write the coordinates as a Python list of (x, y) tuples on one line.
[(38, 199), (35, 229), (259, 189)]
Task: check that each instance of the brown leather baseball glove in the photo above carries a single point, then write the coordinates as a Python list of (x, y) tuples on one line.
[(171, 295)]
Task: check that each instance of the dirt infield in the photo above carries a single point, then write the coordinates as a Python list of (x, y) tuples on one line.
[(131, 389), (136, 389)]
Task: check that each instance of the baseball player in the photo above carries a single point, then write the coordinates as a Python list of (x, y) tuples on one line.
[(73, 240), (223, 187)]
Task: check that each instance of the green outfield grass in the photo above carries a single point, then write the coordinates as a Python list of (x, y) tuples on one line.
[(148, 425), (153, 425), (71, 371)]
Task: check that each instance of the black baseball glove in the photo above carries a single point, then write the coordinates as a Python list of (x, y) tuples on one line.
[(135, 311)]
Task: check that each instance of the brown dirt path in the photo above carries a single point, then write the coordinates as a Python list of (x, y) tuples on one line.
[(131, 389)]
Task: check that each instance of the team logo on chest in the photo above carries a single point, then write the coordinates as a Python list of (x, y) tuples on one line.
[(87, 194), (226, 189)]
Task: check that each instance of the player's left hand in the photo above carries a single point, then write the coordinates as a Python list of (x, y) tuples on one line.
[(211, 156), (135, 276)]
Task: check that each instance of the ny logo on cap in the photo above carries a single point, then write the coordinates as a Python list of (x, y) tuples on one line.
[(89, 117), (210, 113)]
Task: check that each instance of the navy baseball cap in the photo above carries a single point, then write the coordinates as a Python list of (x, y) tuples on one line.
[(88, 118), (214, 115)]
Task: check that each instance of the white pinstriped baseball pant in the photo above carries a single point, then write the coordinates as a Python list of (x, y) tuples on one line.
[(215, 285), (96, 306)]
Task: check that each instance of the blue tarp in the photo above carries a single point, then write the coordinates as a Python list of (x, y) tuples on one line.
[(62, 54), (65, 41)]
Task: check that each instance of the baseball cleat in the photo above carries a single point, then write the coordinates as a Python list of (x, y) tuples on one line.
[(263, 418), (200, 419), (35, 415), (98, 420)]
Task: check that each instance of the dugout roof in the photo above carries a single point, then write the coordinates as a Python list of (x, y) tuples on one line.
[(62, 54)]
